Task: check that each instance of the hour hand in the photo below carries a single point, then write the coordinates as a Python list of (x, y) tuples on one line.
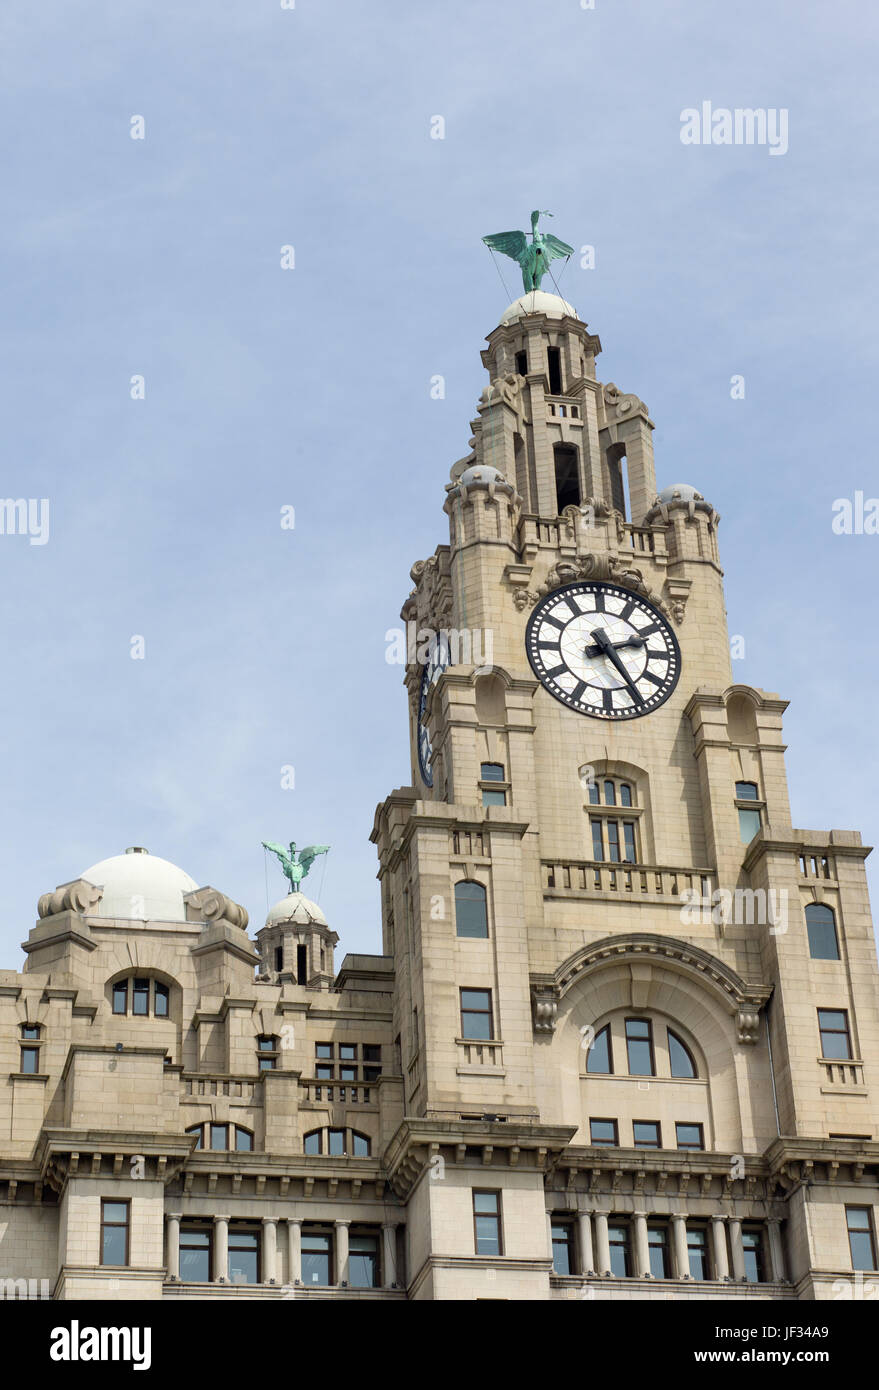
[(607, 648), (596, 650)]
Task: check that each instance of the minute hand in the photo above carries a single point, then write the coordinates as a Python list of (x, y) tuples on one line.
[(604, 644)]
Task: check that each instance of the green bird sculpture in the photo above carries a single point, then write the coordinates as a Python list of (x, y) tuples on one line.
[(295, 864), (533, 257)]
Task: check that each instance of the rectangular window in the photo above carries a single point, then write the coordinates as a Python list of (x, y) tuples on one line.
[(646, 1134), (372, 1052), (317, 1257), (30, 1061), (603, 1132), (476, 1022), (487, 1223), (312, 1142), (689, 1136), (324, 1072), (115, 1220), (821, 928), (594, 794), (749, 824), (613, 841), (195, 1254), (348, 1074), (562, 1247), (120, 997), (491, 772), (219, 1137), (620, 1261), (835, 1040), (657, 1246), (161, 1000), (243, 1256), (336, 1141), (361, 1145), (752, 1250), (861, 1237), (323, 1050), (243, 1140), (140, 997), (629, 833), (697, 1249), (30, 1032), (597, 840), (348, 1052), (493, 796), (363, 1272), (639, 1046)]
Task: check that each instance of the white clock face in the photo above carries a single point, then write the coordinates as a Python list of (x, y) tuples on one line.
[(603, 651), (438, 658)]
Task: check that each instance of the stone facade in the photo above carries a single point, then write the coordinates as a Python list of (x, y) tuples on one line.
[(620, 1040)]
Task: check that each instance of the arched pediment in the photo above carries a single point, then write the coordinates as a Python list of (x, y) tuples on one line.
[(648, 956)]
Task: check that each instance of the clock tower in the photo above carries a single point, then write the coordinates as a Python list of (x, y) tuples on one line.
[(635, 1008)]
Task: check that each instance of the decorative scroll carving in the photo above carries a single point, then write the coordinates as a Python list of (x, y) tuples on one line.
[(748, 1026), (614, 568), (79, 896), (544, 1009), (209, 905)]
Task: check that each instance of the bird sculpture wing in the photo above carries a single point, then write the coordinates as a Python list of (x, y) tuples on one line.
[(553, 249), (279, 850), (512, 244), (308, 856)]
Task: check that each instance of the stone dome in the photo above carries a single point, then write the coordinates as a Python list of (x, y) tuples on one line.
[(298, 909), (140, 885), (680, 492), (481, 473), (538, 302)]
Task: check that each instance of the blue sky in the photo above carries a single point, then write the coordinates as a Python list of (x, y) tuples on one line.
[(310, 127)]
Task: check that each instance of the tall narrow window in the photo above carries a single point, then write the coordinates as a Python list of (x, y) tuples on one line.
[(620, 1260), (195, 1254), (562, 1247), (267, 1052), (835, 1039), (598, 1057), (476, 1022), (302, 965), (752, 1252), (610, 794), (679, 1056), (30, 1056), (160, 1004), (279, 958), (629, 855), (697, 1249), (522, 363), (594, 794), (613, 841), (554, 368), (115, 1223), (243, 1256), (749, 816), (120, 997), (597, 840), (625, 794), (617, 484), (492, 796), (311, 1142), (567, 476), (639, 1046), (317, 1257), (140, 997), (363, 1270), (861, 1237), (821, 927), (471, 912), (657, 1246), (487, 1223)]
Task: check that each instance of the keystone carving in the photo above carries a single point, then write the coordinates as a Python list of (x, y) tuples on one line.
[(79, 896), (209, 905)]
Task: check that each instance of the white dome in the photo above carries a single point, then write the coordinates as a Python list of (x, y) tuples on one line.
[(141, 886), (680, 492), (296, 908), (481, 473), (538, 302)]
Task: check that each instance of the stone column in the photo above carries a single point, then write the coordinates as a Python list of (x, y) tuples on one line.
[(721, 1263), (587, 1259), (602, 1244), (389, 1256), (776, 1250), (221, 1249), (294, 1251), (342, 1251), (735, 1244), (681, 1254), (549, 1233), (642, 1249), (174, 1245), (269, 1250)]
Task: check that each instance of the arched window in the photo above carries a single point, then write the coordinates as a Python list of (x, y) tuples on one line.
[(567, 476), (141, 996), (222, 1137), (821, 926), (749, 816), (337, 1143), (599, 1058), (680, 1057), (471, 912)]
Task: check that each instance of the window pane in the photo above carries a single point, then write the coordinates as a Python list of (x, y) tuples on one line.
[(316, 1253), (689, 1136), (680, 1061), (485, 1202), (363, 1262), (638, 1046), (161, 997), (625, 794), (821, 927), (629, 832), (195, 1256), (697, 1246), (372, 1052), (361, 1146), (219, 1137), (610, 795), (243, 1257), (491, 772), (336, 1141), (140, 997), (752, 1247), (619, 1251), (561, 1248), (603, 1132), (493, 797), (613, 841), (266, 1044), (30, 1058), (597, 840), (113, 1245), (115, 1212), (749, 824), (646, 1134), (323, 1072), (267, 1063), (746, 791), (657, 1243), (312, 1142), (598, 1055), (243, 1140), (475, 1013), (348, 1074), (324, 1050), (471, 914), (834, 1034), (30, 1030), (120, 997), (594, 794)]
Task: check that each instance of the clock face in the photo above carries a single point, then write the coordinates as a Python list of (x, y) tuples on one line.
[(603, 651), (438, 658)]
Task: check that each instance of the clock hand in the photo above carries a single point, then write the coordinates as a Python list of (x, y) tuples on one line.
[(607, 649), (629, 642)]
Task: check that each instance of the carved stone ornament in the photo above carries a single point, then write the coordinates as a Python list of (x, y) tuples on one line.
[(613, 568), (748, 1026), (79, 896), (502, 389), (623, 403), (544, 1008), (209, 905)]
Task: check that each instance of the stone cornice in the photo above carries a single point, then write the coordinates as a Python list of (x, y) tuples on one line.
[(774, 840), (418, 1142)]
